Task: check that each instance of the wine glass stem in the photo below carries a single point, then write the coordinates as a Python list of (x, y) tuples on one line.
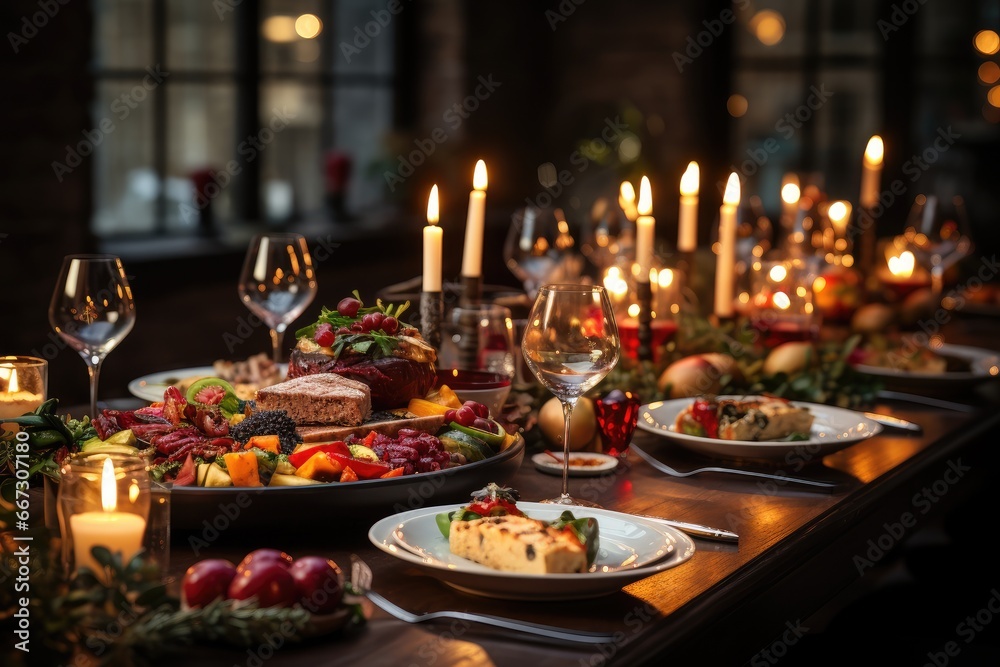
[(567, 405), (94, 370), (276, 338)]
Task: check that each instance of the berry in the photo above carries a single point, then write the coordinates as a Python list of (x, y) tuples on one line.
[(449, 416), (324, 335), (480, 409), (390, 325), (372, 321), (342, 331), (465, 416), (348, 306)]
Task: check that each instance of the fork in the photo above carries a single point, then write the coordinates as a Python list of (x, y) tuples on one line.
[(663, 467), (361, 579)]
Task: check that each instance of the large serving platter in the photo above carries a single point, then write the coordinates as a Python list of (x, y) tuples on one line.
[(631, 548), (329, 507), (983, 365), (833, 429)]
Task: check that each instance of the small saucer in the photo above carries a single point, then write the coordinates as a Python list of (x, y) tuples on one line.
[(581, 464)]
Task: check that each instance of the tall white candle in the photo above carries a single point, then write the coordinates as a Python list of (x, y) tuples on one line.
[(118, 531), (687, 225), (725, 269), (472, 258), (871, 171), (432, 245), (644, 232)]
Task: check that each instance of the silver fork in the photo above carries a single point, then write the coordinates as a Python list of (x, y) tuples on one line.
[(361, 578), (663, 467)]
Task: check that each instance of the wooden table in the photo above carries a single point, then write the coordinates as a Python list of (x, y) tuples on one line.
[(798, 549)]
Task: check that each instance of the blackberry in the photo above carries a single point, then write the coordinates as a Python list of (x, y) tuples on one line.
[(268, 422)]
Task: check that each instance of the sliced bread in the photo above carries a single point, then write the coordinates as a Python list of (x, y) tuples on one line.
[(320, 398)]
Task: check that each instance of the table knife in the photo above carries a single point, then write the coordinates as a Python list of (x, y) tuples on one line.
[(894, 422), (696, 529)]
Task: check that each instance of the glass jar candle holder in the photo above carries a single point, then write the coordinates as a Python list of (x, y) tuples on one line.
[(24, 385), (109, 500), (781, 307)]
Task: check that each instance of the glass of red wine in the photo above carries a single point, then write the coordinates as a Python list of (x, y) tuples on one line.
[(477, 359), (617, 414)]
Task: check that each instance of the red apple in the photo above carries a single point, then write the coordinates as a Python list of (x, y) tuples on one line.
[(207, 580), (320, 583), (269, 581), (265, 555)]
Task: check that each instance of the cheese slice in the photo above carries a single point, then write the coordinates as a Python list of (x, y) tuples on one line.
[(517, 544)]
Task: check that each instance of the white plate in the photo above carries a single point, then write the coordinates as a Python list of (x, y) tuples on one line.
[(151, 387), (983, 365), (832, 429), (545, 463), (632, 548)]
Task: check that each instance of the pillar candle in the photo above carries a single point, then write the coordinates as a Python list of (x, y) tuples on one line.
[(725, 277), (432, 245), (871, 171), (687, 226), (472, 258), (644, 232)]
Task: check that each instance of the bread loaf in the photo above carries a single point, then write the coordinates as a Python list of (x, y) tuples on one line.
[(322, 398)]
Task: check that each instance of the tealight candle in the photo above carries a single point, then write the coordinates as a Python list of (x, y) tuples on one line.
[(472, 258), (22, 385), (432, 245), (117, 531)]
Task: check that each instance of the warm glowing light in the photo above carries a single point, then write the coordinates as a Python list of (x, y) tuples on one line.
[(12, 385), (737, 105), (279, 29), (790, 193), (819, 284), (874, 151), (615, 283), (989, 72), (768, 26), (308, 26), (987, 42), (433, 207), (627, 191), (645, 205), (777, 273), (902, 266), (689, 180), (109, 491), (633, 310), (781, 300), (732, 194), (993, 97), (837, 212), (479, 180), (665, 278)]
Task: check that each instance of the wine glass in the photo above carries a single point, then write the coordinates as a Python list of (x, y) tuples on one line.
[(540, 248), (938, 237), (92, 310), (476, 359), (277, 282), (570, 344)]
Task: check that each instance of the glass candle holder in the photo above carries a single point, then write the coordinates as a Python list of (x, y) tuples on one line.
[(781, 305), (617, 415), (110, 500), (24, 385)]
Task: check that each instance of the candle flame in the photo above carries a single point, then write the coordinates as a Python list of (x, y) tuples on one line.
[(433, 208), (479, 179), (902, 266), (627, 192), (790, 193), (689, 180), (665, 278), (837, 212), (874, 151), (12, 383), (778, 273), (732, 194), (633, 310), (645, 205), (781, 300), (109, 490)]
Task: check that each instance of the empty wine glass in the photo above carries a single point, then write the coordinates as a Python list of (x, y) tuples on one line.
[(570, 344), (541, 249), (937, 236), (92, 310), (277, 282)]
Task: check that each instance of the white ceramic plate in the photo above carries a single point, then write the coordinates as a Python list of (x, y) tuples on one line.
[(151, 387), (632, 548), (983, 365), (833, 429), (600, 464)]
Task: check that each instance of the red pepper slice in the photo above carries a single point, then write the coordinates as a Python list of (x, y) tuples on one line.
[(496, 507), (303, 455), (363, 469), (706, 414)]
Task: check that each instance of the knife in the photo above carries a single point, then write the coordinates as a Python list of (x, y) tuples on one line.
[(894, 422), (696, 529)]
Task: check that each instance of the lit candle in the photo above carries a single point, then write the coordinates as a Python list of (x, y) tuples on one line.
[(644, 232), (432, 245), (15, 401), (626, 199), (472, 259), (725, 269), (871, 171), (790, 194), (687, 226), (118, 531)]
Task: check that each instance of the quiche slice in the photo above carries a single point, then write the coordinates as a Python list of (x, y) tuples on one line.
[(757, 419), (518, 544)]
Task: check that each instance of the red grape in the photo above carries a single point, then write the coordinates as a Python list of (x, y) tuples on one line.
[(324, 335), (390, 325), (449, 415), (479, 408), (348, 306), (465, 415)]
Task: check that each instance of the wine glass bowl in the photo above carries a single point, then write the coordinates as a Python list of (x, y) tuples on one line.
[(477, 359), (92, 310), (277, 282), (570, 344), (936, 235), (540, 248)]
